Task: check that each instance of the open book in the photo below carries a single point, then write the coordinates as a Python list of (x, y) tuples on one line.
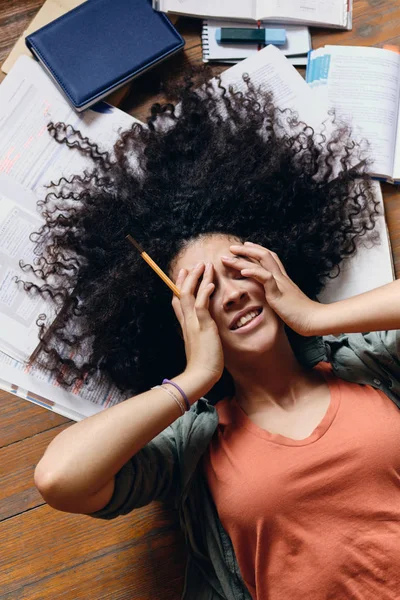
[(327, 13), (30, 158), (363, 86)]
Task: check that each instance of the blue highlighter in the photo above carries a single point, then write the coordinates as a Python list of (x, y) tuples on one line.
[(241, 35)]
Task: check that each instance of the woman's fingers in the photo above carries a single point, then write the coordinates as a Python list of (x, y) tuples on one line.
[(266, 278), (196, 290), (176, 304), (269, 260), (238, 262), (203, 295), (190, 285), (273, 254)]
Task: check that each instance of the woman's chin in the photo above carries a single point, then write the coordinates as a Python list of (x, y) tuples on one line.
[(255, 345)]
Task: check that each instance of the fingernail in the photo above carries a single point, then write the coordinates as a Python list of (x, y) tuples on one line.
[(208, 266), (227, 258), (200, 264)]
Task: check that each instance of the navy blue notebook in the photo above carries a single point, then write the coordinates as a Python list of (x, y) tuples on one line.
[(102, 44)]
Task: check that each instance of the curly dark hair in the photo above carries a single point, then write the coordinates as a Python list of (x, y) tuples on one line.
[(216, 161)]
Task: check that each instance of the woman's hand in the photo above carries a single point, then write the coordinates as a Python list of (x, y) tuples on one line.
[(282, 295), (203, 346)]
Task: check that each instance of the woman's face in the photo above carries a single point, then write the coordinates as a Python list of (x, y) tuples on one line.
[(234, 297)]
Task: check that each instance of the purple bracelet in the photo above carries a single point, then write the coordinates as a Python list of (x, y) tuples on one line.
[(180, 390)]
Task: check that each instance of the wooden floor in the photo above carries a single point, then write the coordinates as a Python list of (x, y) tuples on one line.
[(47, 555)]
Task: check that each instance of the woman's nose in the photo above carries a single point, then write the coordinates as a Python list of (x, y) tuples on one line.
[(233, 293)]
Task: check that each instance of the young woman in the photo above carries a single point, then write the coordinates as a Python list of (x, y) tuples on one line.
[(286, 482)]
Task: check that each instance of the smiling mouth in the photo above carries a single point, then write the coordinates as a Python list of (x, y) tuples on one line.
[(247, 318)]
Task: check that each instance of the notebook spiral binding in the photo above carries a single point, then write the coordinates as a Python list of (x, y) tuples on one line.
[(205, 44)]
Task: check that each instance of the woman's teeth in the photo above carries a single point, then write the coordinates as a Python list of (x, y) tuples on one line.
[(246, 318)]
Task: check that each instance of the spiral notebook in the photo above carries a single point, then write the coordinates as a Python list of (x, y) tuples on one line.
[(298, 43)]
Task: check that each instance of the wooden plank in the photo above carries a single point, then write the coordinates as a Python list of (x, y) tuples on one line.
[(169, 549), (17, 464), (43, 543), (15, 16), (118, 575), (21, 419), (125, 574), (391, 195), (375, 23)]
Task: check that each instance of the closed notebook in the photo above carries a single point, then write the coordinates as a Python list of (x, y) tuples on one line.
[(101, 45)]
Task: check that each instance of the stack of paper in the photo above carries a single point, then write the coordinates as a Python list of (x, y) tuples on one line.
[(298, 43)]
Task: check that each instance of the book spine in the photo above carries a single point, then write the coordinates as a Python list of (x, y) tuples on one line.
[(349, 14), (346, 13), (205, 43)]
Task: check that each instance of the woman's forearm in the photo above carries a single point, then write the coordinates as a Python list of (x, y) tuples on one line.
[(376, 310), (77, 471)]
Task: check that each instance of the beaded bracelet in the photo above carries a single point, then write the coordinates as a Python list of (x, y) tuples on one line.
[(173, 396), (180, 390)]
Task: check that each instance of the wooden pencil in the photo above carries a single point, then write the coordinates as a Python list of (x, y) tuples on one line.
[(154, 266)]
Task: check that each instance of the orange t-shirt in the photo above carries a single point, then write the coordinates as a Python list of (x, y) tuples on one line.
[(318, 518)]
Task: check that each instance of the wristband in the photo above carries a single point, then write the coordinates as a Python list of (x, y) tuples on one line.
[(180, 390), (174, 398)]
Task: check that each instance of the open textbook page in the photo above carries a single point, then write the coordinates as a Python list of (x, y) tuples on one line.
[(270, 70), (29, 160), (18, 309), (363, 86), (39, 387)]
